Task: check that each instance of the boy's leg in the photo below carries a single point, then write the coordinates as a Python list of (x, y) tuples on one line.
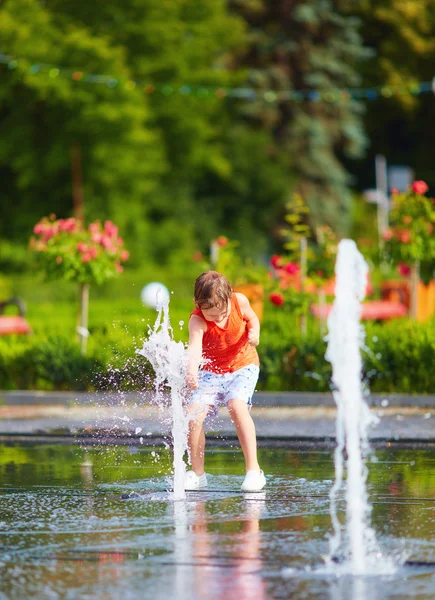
[(196, 437), (245, 428)]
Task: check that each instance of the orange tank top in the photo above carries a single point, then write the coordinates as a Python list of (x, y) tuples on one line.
[(227, 350)]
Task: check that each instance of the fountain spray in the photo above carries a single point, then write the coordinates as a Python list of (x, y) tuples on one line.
[(345, 338), (169, 361)]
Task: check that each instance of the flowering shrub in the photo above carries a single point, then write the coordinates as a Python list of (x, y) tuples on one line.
[(68, 250), (410, 238)]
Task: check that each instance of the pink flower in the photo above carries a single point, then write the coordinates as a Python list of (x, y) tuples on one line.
[(222, 241), (404, 269), (394, 192), (49, 232), (420, 187), (120, 241), (387, 234), (82, 247), (67, 224), (96, 238), (125, 255), (291, 268), (106, 242), (110, 229), (94, 227), (86, 257), (39, 228), (93, 252), (119, 268), (276, 298)]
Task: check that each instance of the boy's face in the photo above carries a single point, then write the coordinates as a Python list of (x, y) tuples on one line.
[(216, 314)]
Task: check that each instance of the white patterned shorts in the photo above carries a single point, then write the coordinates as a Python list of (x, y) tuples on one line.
[(218, 389)]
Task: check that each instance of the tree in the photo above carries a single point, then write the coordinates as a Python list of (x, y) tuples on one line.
[(310, 49), (45, 111), (401, 36)]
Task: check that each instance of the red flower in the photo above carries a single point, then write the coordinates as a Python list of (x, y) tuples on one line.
[(276, 298), (404, 269), (197, 256), (275, 261), (405, 236), (291, 268), (320, 273), (394, 192), (222, 241), (420, 187)]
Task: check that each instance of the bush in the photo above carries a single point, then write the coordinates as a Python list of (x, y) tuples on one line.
[(51, 364), (397, 358)]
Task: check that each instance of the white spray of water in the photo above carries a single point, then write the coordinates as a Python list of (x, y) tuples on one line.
[(169, 361), (345, 338)]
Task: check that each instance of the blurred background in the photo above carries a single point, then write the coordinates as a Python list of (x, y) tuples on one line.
[(212, 133)]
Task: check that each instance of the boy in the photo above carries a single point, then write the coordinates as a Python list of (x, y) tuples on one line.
[(223, 369)]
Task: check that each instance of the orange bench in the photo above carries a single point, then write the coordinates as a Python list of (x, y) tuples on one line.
[(377, 310), (13, 324)]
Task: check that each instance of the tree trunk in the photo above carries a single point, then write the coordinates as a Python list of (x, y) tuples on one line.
[(82, 329)]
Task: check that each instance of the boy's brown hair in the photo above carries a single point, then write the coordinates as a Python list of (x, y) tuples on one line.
[(212, 289)]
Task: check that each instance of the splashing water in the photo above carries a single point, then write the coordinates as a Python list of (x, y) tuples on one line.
[(345, 338), (169, 361)]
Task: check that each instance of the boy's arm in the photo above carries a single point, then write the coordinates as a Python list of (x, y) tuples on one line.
[(196, 332), (252, 322)]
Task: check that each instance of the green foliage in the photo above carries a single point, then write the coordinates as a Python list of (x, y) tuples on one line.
[(401, 36), (53, 363), (321, 55), (14, 257)]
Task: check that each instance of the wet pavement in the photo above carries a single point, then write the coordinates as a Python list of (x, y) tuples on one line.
[(66, 531)]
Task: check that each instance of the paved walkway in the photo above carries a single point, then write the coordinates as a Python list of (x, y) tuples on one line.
[(285, 422)]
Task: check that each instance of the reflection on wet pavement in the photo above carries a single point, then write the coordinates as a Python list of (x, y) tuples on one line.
[(101, 523)]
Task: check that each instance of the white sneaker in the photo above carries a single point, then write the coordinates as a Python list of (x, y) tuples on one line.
[(192, 481), (254, 481)]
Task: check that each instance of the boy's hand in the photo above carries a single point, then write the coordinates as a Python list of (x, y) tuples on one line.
[(192, 381), (253, 337)]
